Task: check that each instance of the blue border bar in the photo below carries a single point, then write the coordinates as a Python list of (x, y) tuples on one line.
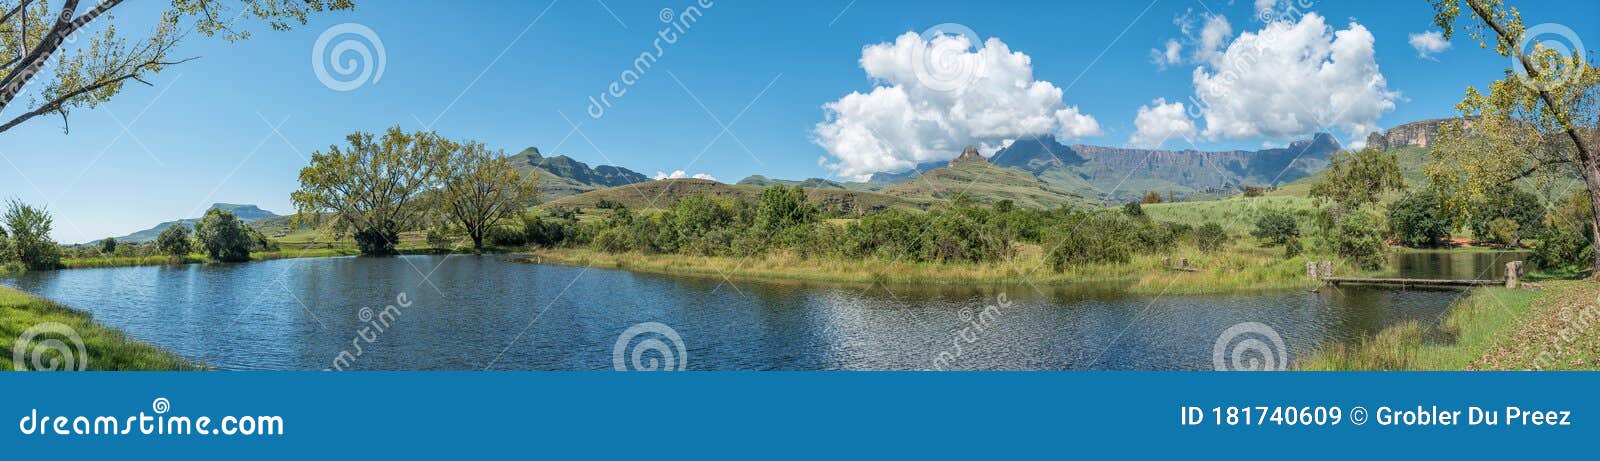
[(757, 415)]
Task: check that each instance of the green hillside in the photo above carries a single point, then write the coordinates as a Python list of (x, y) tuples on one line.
[(664, 192), (987, 183)]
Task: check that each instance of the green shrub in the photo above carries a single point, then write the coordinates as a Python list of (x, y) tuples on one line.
[(1093, 238), (1358, 239), (174, 242), (30, 244), (1508, 203), (1292, 248), (1276, 228), (1210, 237)]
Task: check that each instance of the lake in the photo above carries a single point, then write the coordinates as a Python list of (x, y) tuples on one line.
[(489, 312)]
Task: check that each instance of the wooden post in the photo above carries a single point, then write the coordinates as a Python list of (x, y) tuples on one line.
[(1311, 270), (1513, 274), (1166, 262), (1325, 269), (1183, 263)]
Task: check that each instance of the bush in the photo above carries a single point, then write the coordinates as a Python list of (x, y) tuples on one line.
[(1210, 237), (893, 234), (957, 236), (1358, 240), (376, 242), (548, 232), (1151, 197), (1276, 228), (30, 243), (1093, 238), (1419, 220), (506, 236), (1505, 231), (1508, 203), (108, 246), (174, 242), (1133, 209), (223, 236)]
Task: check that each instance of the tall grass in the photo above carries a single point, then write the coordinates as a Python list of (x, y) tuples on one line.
[(1239, 268), (104, 348), (1474, 325)]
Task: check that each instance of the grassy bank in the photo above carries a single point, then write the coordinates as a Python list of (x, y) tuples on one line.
[(1239, 269), (104, 348), (1554, 328)]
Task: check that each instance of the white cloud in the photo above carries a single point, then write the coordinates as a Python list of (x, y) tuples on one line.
[(1159, 122), (1264, 6), (1203, 45), (680, 174), (1429, 43), (1168, 55), (1292, 79), (911, 117)]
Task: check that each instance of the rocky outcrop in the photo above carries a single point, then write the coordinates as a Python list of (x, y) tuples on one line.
[(969, 154), (1414, 134)]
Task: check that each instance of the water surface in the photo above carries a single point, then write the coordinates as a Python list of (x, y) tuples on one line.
[(486, 312)]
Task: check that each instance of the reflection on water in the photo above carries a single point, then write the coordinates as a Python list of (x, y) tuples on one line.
[(477, 312)]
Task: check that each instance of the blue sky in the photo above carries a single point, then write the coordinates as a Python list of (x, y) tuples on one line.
[(501, 73)]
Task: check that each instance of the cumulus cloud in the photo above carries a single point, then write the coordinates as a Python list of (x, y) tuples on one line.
[(680, 174), (1429, 43), (1291, 79), (1204, 44), (932, 97), (1160, 121)]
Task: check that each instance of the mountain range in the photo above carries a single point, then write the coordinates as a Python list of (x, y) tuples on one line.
[(562, 176), (246, 213)]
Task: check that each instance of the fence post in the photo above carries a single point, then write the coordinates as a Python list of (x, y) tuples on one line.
[(1311, 270), (1513, 274)]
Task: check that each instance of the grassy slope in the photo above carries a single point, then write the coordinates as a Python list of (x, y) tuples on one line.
[(1554, 328), (1237, 214), (107, 349), (987, 183)]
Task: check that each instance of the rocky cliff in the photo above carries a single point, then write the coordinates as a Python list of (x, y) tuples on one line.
[(1414, 134)]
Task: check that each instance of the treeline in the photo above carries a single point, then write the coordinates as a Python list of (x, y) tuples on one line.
[(25, 242), (783, 220)]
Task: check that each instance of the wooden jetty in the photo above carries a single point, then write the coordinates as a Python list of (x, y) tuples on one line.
[(1324, 270)]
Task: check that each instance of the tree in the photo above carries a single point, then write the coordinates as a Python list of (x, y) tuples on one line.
[(1506, 203), (1133, 210), (1151, 197), (370, 188), (782, 207), (223, 236), (108, 246), (479, 189), (30, 236), (42, 45), (174, 242), (1418, 220), (1276, 228), (1358, 178), (1358, 239), (1538, 121)]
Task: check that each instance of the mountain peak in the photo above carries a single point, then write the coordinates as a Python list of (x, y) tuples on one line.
[(969, 154)]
